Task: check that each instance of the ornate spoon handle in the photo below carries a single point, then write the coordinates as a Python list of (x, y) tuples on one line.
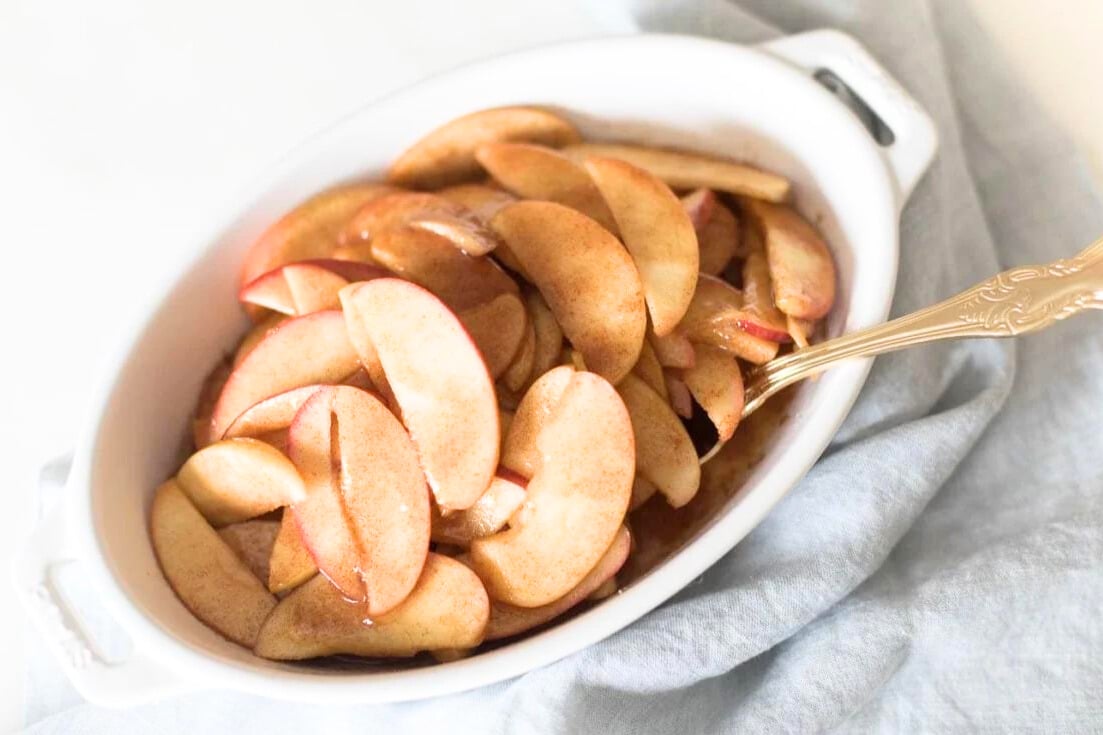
[(1015, 302)]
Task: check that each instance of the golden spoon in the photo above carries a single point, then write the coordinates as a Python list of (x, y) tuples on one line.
[(1015, 302)]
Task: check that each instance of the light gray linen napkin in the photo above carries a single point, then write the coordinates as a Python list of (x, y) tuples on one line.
[(941, 568)]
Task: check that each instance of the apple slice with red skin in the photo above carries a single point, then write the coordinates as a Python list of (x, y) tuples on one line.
[(439, 380), (587, 278), (277, 412), (521, 452), (448, 608), (434, 263), (682, 170), (306, 286), (664, 452), (365, 517), (714, 318), (204, 406), (267, 324), (238, 479), (538, 172), (488, 515), (203, 570), (290, 563), (699, 205), (507, 620), (575, 502), (717, 384), (801, 265), (310, 230), (499, 328), (657, 232), (447, 154), (760, 316)]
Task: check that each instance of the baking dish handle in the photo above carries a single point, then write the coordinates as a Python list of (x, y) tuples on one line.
[(915, 138), (126, 683)]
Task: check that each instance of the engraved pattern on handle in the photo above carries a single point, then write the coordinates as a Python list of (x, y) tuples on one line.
[(1017, 301)]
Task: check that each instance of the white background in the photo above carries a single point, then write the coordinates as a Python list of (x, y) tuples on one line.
[(123, 121)]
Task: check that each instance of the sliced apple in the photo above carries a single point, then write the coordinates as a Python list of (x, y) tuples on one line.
[(253, 337), (307, 286), (365, 517), (448, 608), (642, 491), (519, 371), (208, 395), (432, 262), (672, 350), (664, 452), (389, 211), (203, 570), (800, 330), (447, 154), (488, 515), (310, 230), (699, 205), (439, 381), (718, 240), (538, 172), (301, 351), (587, 278), (650, 370), (801, 266), (657, 232), (575, 502), (678, 395), (290, 563), (466, 233), (520, 451), (237, 479), (714, 318), (760, 316), (252, 541), (499, 328), (717, 384), (507, 620), (605, 590), (691, 171), (276, 413), (547, 336), (482, 200)]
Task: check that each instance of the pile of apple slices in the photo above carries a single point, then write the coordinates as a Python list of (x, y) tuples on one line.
[(460, 383)]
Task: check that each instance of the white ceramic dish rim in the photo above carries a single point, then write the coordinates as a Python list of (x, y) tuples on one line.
[(163, 665)]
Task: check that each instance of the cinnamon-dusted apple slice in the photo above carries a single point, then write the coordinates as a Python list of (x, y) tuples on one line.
[(290, 563), (714, 318), (520, 451), (252, 541), (507, 620), (575, 502), (498, 328), (237, 479), (448, 608), (548, 337), (587, 278), (447, 154), (690, 171), (482, 200), (717, 385), (657, 232), (310, 230), (465, 232), (301, 351), (434, 263), (650, 370), (306, 286), (208, 395), (760, 316), (439, 381), (538, 172), (256, 333), (699, 205), (365, 517), (389, 211), (664, 451), (517, 374), (277, 413), (203, 570), (672, 350), (718, 239), (678, 395), (642, 491), (488, 515), (801, 266)]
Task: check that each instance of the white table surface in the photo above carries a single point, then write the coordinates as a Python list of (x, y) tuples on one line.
[(121, 120)]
